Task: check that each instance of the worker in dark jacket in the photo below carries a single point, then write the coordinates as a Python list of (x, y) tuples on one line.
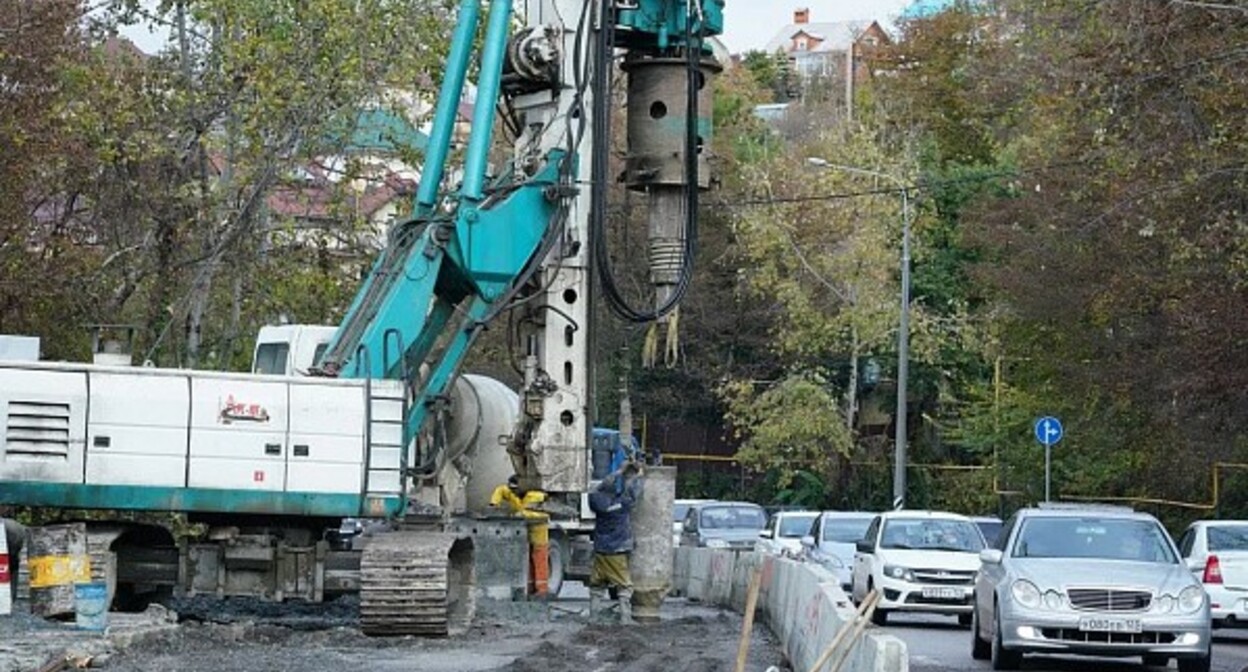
[(612, 503)]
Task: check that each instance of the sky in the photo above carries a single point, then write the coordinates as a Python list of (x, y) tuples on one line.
[(748, 24)]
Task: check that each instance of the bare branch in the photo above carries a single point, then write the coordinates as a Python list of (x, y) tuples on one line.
[(1211, 5)]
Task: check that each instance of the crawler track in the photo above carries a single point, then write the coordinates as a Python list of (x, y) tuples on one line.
[(416, 583)]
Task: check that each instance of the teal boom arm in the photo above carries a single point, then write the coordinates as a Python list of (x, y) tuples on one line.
[(444, 274), (461, 259)]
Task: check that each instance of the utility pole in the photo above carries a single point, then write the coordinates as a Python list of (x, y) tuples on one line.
[(903, 335), (903, 357)]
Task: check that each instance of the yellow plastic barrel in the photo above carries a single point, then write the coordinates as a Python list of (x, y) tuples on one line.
[(58, 561)]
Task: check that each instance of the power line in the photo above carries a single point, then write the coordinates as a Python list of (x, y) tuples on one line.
[(844, 195)]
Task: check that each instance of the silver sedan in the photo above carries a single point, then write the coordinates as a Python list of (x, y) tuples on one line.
[(1103, 582)]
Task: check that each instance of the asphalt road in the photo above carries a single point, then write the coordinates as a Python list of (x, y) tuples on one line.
[(937, 644)]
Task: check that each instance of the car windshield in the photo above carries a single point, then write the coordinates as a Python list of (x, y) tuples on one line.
[(845, 530), (1228, 537), (797, 525), (732, 518), (991, 529), (1094, 537), (932, 534)]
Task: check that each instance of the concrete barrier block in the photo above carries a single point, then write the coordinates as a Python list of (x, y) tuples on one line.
[(743, 570), (878, 652), (699, 574), (803, 605), (719, 592), (680, 571)]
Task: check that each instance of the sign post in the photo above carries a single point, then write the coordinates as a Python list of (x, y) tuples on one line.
[(1048, 432)]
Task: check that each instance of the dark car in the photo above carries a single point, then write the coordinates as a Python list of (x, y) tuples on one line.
[(730, 525)]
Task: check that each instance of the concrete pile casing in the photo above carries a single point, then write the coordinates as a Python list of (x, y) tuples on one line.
[(651, 561)]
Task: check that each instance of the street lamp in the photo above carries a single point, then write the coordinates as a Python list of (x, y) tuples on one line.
[(903, 335)]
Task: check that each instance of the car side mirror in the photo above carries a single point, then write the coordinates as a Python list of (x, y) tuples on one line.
[(864, 546), (765, 534), (990, 556), (808, 541)]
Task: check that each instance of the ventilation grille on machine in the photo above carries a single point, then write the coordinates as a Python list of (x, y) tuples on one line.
[(38, 429)]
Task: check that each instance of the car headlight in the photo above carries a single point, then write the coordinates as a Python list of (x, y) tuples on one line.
[(1052, 600), (1026, 593), (1164, 604), (716, 543), (1191, 598), (895, 572)]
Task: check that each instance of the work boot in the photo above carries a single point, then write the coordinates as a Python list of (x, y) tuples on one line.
[(597, 602), (626, 607)]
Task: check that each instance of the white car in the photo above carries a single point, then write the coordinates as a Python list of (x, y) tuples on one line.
[(784, 532), (832, 541), (1217, 553), (918, 561)]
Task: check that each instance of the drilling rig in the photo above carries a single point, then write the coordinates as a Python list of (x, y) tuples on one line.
[(374, 418)]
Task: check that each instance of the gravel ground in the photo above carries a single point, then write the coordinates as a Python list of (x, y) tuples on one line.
[(252, 636), (27, 642)]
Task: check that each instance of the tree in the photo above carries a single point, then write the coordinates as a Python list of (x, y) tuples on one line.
[(826, 263), (1117, 257), (156, 171), (762, 67)]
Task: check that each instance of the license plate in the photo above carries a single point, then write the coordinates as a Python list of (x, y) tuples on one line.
[(1110, 625), (942, 593)]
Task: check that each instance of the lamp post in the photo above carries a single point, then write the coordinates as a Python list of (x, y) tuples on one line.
[(903, 335)]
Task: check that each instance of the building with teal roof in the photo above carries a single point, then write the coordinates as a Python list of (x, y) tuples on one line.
[(381, 131), (925, 9)]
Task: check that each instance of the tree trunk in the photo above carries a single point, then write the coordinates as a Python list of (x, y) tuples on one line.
[(201, 293)]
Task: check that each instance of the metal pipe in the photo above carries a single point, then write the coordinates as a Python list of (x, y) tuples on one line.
[(447, 106), (488, 85)]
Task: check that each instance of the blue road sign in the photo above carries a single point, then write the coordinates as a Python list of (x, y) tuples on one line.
[(1048, 430)]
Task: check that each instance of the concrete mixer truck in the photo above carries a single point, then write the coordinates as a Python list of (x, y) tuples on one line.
[(373, 419)]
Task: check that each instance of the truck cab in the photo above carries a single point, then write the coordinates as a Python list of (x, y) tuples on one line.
[(290, 349)]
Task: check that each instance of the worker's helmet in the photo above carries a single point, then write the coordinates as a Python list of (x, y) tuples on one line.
[(513, 482)]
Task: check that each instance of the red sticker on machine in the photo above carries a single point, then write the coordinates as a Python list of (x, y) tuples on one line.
[(258, 476), (240, 411)]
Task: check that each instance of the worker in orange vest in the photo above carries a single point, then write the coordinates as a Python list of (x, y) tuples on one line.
[(527, 504)]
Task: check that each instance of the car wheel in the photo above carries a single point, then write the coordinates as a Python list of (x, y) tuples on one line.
[(1156, 660), (1003, 658), (980, 648), (964, 620), (1200, 664)]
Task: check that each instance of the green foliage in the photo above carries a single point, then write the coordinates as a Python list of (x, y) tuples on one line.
[(150, 194), (698, 484), (793, 424), (807, 489), (762, 67)]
